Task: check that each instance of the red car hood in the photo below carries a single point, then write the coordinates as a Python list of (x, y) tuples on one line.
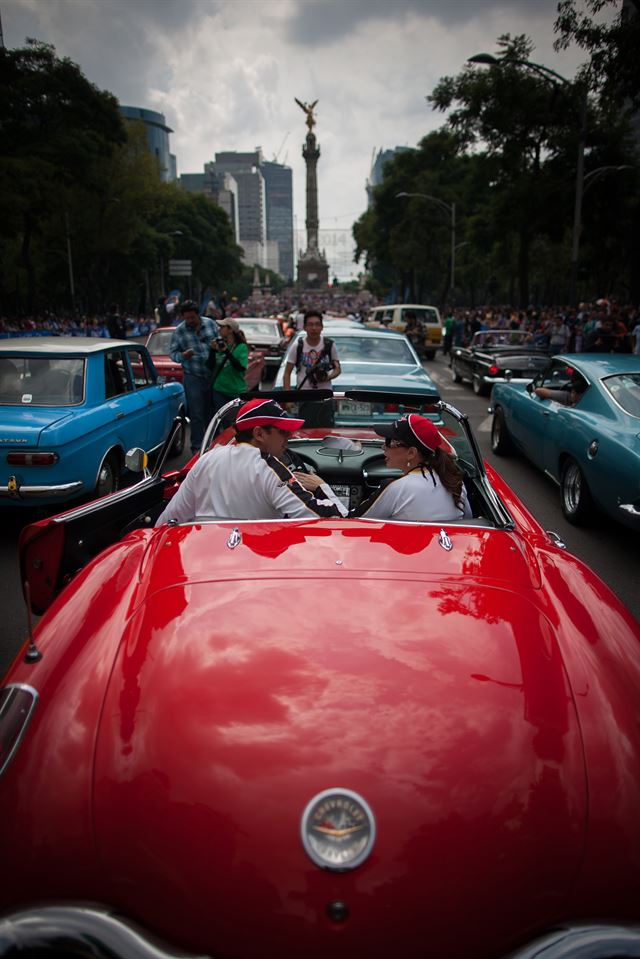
[(429, 682)]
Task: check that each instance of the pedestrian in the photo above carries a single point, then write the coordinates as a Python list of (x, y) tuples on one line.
[(190, 344), (115, 324), (228, 360), (448, 333), (316, 363)]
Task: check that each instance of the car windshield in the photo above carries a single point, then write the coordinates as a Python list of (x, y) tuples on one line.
[(423, 314), (159, 342), (374, 349), (40, 381), (502, 338), (254, 329), (625, 390)]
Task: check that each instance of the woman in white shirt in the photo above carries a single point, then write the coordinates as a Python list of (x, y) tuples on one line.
[(431, 488)]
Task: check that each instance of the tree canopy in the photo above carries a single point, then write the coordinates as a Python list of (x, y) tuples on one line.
[(82, 202)]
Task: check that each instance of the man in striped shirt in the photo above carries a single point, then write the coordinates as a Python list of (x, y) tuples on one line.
[(247, 479), (190, 343)]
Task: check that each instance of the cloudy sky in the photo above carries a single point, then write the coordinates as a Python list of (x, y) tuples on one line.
[(225, 73)]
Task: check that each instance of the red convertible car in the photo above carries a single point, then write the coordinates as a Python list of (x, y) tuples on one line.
[(319, 738)]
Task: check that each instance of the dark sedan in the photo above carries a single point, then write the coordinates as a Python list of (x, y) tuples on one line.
[(494, 353)]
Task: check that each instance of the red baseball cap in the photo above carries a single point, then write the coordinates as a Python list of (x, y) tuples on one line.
[(265, 413), (413, 430)]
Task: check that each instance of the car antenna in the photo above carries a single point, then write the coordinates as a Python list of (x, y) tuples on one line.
[(33, 654)]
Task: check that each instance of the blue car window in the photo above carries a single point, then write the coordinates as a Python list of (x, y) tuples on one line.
[(116, 374), (41, 381), (625, 390), (142, 375)]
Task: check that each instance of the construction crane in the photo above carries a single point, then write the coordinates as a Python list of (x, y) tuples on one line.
[(275, 158)]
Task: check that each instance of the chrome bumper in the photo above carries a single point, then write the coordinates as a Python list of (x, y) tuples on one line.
[(88, 930), (80, 931), (16, 492)]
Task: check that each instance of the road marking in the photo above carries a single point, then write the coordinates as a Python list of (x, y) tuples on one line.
[(485, 426)]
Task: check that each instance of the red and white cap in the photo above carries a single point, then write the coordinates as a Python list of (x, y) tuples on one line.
[(265, 413), (413, 430)]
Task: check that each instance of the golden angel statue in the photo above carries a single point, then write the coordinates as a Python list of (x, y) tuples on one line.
[(308, 109)]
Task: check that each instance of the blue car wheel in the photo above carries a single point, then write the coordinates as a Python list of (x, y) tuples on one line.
[(577, 504)]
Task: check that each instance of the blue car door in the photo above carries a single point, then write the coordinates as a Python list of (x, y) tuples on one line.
[(128, 406), (159, 404)]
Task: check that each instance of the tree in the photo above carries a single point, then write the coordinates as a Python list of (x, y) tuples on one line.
[(54, 128), (520, 119), (613, 69)]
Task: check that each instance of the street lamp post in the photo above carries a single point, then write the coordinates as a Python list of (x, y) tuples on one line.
[(451, 209), (70, 263), (556, 78)]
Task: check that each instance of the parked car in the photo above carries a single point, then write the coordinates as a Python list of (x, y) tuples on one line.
[(318, 738), (70, 409), (264, 335), (591, 449), (492, 355), (422, 324), (158, 344), (372, 360)]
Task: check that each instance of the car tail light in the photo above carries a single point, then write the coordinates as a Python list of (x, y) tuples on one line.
[(17, 703), (493, 369), (391, 407), (32, 459)]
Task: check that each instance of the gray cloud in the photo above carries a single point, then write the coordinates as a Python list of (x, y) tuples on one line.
[(317, 22)]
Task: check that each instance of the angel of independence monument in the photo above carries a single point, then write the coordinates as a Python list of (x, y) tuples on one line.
[(313, 269)]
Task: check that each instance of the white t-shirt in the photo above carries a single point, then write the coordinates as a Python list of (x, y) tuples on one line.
[(415, 498), (308, 358), (238, 482)]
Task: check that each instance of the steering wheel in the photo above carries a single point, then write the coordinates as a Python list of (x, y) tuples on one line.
[(295, 462)]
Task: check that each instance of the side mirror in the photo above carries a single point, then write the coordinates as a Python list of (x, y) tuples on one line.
[(136, 460), (161, 380), (529, 387)]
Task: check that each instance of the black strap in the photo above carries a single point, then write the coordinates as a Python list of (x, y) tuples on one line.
[(219, 369), (325, 351)]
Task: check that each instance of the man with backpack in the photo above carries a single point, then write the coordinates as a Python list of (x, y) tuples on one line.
[(315, 360)]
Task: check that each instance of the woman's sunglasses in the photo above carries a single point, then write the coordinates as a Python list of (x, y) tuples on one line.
[(394, 444)]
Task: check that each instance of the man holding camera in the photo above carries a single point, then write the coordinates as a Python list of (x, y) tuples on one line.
[(316, 362)]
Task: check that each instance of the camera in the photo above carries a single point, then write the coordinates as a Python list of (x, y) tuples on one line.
[(320, 375)]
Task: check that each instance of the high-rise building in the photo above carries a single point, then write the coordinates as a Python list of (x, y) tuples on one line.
[(258, 198), (157, 138), (279, 196), (378, 164)]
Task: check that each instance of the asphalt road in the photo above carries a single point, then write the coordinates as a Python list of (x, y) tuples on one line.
[(611, 550)]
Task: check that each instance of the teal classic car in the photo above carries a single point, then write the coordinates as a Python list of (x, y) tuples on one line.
[(372, 361), (70, 408), (587, 440)]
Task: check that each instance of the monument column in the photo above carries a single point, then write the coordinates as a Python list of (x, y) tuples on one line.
[(313, 269)]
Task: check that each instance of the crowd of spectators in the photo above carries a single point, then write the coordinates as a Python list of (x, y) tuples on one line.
[(50, 324), (603, 326), (600, 327)]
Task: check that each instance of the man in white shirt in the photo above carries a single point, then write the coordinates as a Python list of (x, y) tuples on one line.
[(247, 480), (316, 362)]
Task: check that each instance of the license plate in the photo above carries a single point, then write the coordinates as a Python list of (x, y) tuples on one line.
[(351, 408), (342, 492)]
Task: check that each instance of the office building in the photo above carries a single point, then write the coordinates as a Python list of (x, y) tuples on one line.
[(157, 138)]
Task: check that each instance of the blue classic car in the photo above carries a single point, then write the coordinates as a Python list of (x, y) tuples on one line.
[(587, 440), (70, 408), (372, 360)]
